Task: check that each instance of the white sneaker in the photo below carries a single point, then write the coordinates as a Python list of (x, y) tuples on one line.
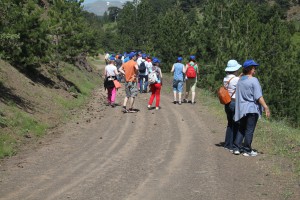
[(252, 153), (236, 152)]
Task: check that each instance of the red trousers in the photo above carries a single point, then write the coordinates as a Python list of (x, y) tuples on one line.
[(155, 89)]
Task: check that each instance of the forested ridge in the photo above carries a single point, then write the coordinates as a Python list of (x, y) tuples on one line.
[(36, 32)]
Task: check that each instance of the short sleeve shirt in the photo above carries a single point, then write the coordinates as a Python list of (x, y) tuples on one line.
[(248, 93), (148, 66), (130, 71), (110, 70), (232, 84)]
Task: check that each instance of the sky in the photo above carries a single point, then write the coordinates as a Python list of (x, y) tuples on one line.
[(92, 1)]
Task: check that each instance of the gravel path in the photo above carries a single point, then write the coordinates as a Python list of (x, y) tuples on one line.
[(170, 154)]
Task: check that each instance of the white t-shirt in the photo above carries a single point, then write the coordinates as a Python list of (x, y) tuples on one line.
[(106, 56), (110, 70), (139, 60), (148, 66), (232, 84)]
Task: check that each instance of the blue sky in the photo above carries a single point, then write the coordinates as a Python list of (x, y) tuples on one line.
[(91, 1)]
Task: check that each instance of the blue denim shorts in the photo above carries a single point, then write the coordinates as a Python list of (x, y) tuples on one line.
[(177, 86)]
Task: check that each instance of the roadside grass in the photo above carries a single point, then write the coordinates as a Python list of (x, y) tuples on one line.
[(84, 81), (16, 126), (271, 137)]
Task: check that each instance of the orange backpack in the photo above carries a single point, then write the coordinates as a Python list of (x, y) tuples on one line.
[(223, 94)]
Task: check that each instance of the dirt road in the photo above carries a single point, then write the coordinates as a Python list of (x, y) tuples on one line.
[(170, 154)]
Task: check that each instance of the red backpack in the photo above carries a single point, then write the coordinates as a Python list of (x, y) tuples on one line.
[(191, 72)]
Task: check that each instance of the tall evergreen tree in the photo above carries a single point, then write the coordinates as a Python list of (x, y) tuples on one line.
[(171, 35)]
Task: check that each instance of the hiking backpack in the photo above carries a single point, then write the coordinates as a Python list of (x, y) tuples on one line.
[(152, 76), (191, 72), (142, 67), (223, 94)]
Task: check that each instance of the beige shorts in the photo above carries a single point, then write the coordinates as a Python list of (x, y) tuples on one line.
[(190, 84)]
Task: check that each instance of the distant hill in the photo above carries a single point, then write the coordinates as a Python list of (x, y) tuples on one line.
[(100, 6)]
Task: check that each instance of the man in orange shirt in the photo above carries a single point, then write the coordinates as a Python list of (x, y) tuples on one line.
[(130, 70)]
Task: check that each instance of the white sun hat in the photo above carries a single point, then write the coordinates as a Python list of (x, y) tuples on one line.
[(232, 66)]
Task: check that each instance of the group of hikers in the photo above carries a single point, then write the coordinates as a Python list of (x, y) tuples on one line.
[(246, 100), (140, 71)]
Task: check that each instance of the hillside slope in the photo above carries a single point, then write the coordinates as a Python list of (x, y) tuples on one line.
[(31, 105)]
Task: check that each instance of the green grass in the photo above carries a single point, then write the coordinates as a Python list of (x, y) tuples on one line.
[(7, 145), (277, 138), (15, 127), (272, 137), (86, 82)]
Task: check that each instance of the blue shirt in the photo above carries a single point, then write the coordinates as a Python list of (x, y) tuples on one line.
[(247, 94), (178, 74)]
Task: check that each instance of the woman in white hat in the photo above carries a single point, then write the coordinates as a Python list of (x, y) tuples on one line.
[(230, 81)]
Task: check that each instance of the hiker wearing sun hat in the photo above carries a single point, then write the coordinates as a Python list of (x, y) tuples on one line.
[(249, 106), (191, 72), (110, 73), (178, 69), (230, 81)]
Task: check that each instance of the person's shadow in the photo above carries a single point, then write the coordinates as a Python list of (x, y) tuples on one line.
[(221, 144)]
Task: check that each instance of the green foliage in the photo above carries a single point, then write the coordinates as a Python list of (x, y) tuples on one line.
[(217, 31), (32, 32), (174, 25)]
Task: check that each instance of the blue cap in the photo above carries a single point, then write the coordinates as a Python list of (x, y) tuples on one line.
[(144, 56), (179, 58), (155, 60), (132, 54), (249, 63), (193, 57), (112, 58)]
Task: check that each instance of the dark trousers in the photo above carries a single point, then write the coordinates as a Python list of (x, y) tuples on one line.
[(246, 131), (232, 126)]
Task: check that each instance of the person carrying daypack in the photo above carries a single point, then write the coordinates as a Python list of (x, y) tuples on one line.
[(178, 69), (191, 71), (111, 73), (155, 85), (118, 65), (230, 82), (143, 75)]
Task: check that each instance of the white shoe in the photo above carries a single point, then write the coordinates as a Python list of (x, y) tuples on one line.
[(252, 153), (236, 152)]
